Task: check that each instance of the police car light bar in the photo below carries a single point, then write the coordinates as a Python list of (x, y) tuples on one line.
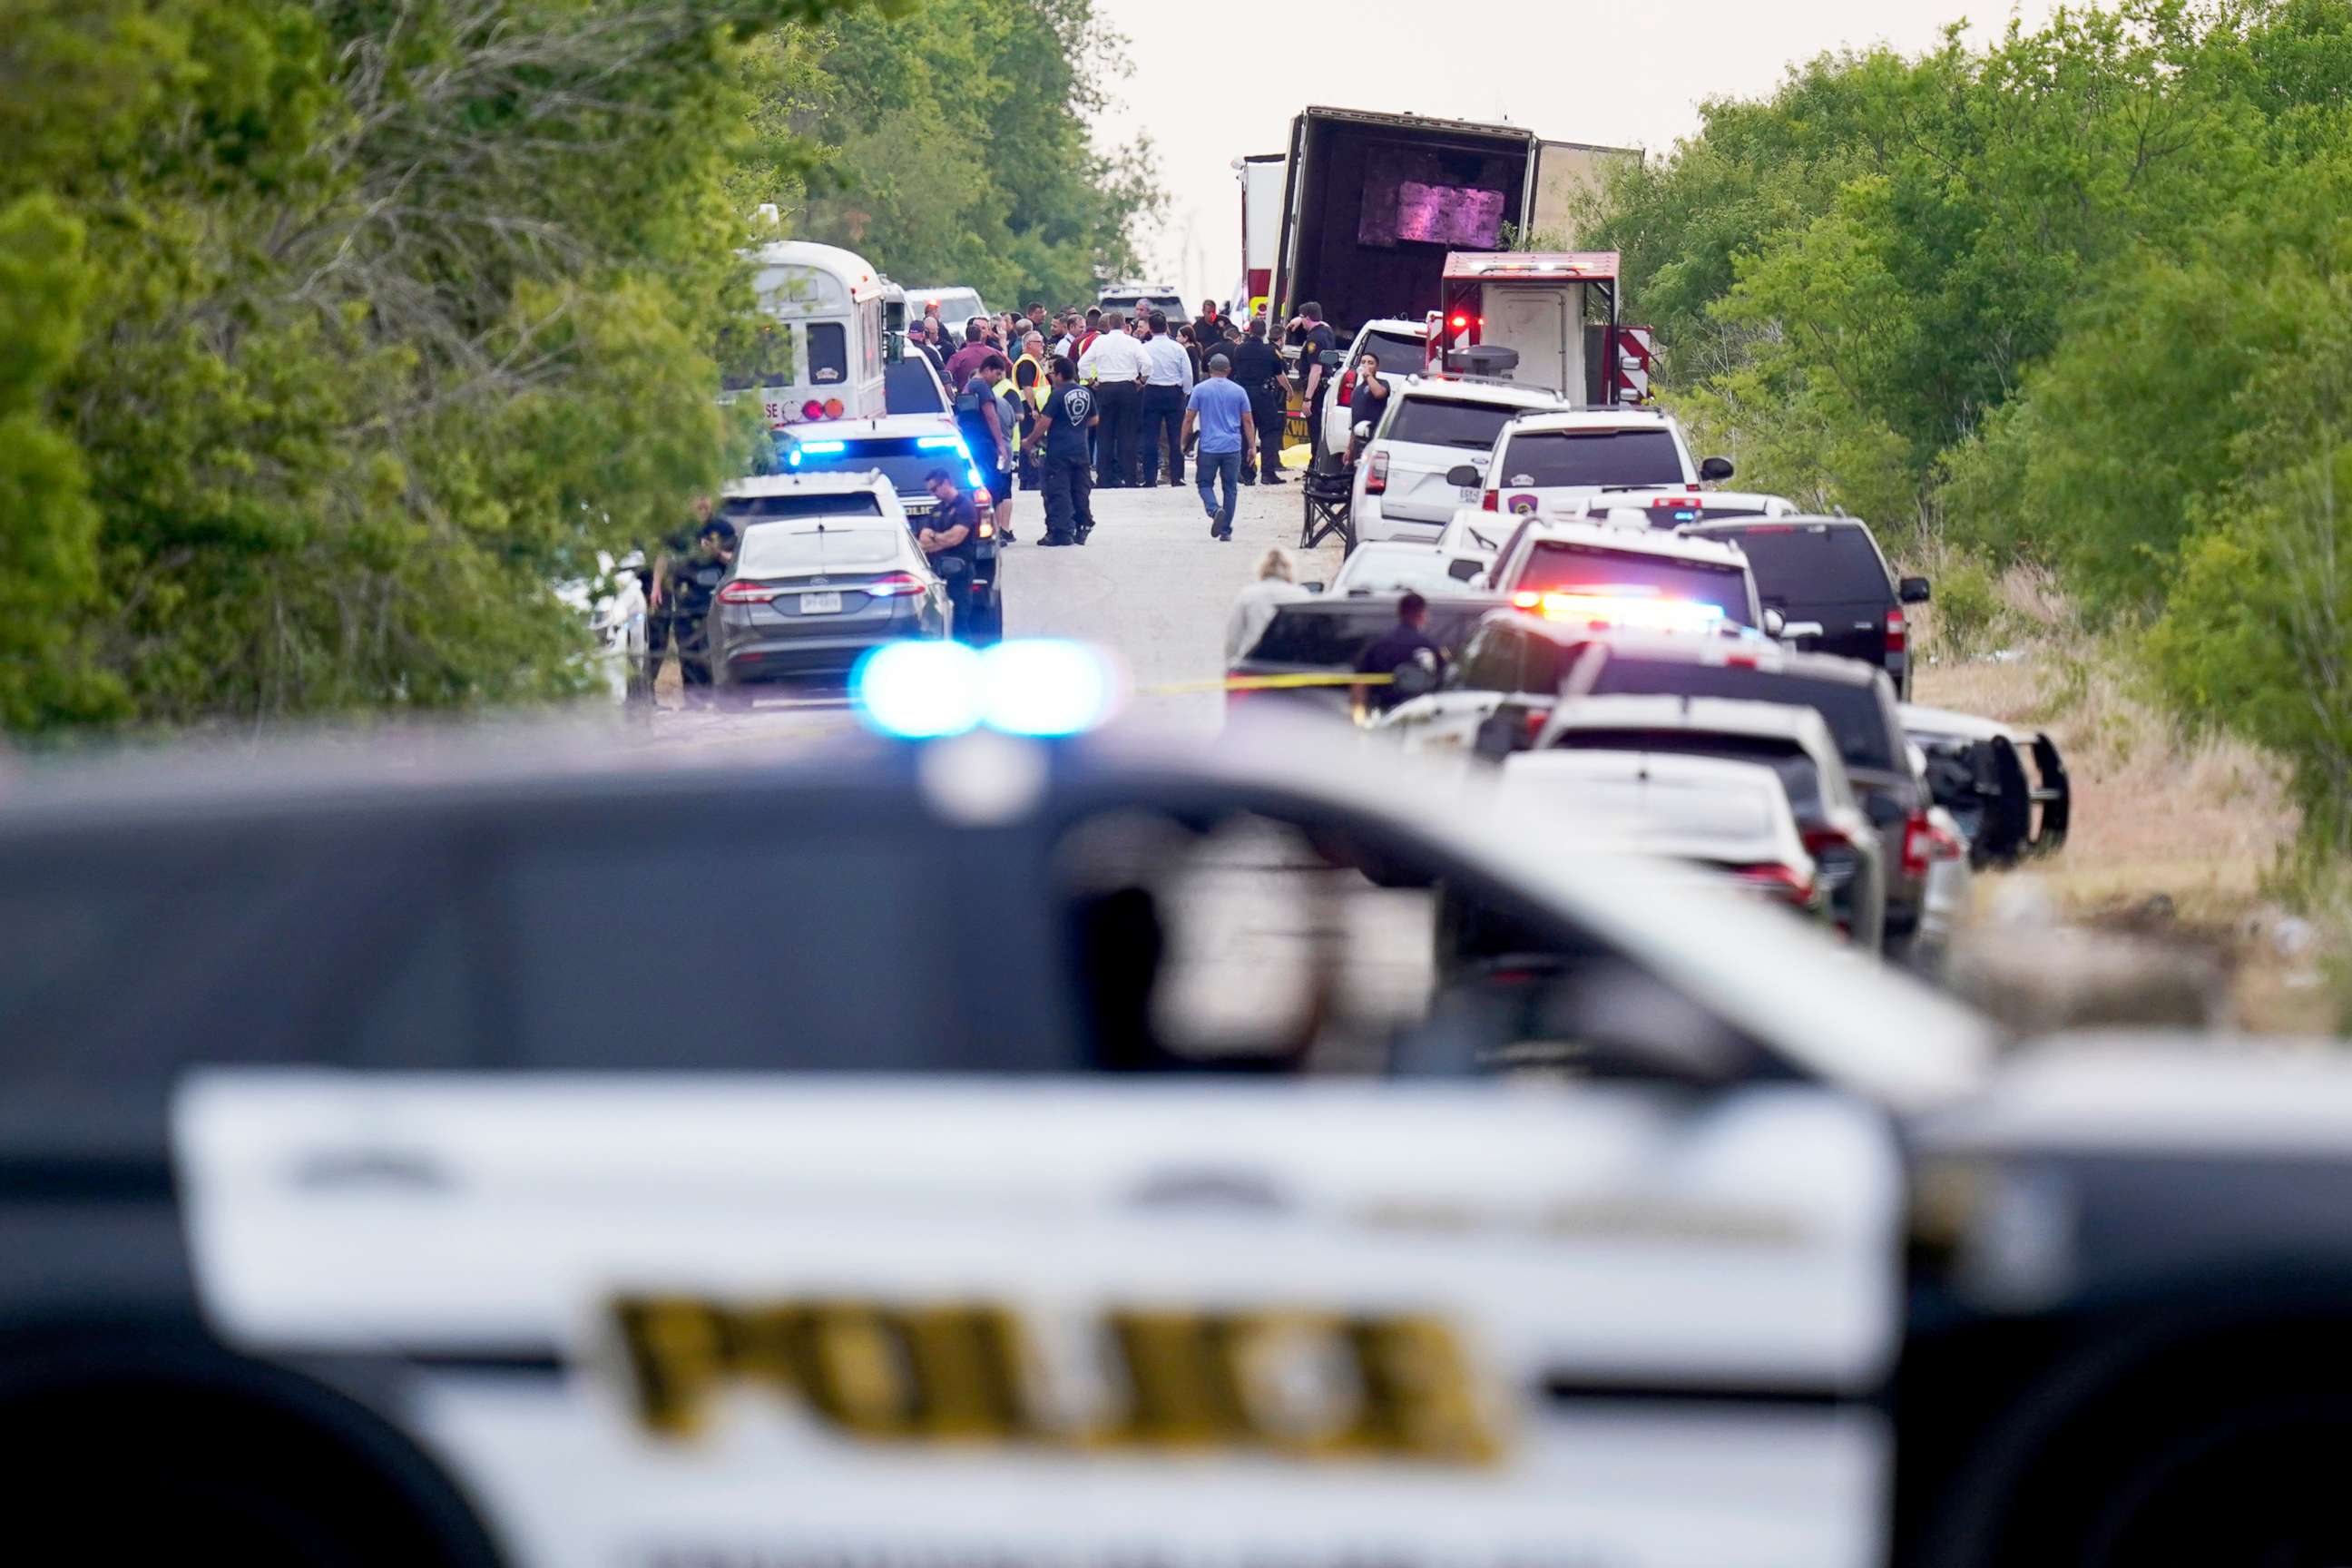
[(1621, 607), (922, 690)]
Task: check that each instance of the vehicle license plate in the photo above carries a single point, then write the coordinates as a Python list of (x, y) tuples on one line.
[(1469, 492), (820, 603)]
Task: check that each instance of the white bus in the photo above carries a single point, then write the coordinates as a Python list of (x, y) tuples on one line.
[(820, 352)]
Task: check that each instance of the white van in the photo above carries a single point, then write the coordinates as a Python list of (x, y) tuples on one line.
[(819, 356)]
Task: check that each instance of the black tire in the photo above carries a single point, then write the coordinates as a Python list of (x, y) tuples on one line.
[(2199, 1466), (133, 1472)]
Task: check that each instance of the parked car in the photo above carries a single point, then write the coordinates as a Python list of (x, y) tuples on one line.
[(1393, 565), (1325, 635), (1494, 694), (1950, 888), (1731, 817), (1427, 457), (1791, 741), (1608, 572), (909, 385), (2006, 788), (1558, 464), (1400, 346), (826, 568), (1856, 701), (1830, 570)]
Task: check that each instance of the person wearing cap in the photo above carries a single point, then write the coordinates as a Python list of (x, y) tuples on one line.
[(1258, 371), (1221, 412)]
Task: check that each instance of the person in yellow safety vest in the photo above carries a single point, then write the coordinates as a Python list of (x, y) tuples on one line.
[(1017, 416)]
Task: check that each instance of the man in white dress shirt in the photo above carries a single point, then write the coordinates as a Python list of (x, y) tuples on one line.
[(1114, 366), (1167, 382)]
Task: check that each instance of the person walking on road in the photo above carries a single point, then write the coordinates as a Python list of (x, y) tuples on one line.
[(1116, 367), (1228, 440), (1258, 371), (1167, 383), (1060, 444), (1254, 605)]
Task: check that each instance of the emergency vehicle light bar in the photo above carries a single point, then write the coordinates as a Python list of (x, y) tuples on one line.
[(1475, 265)]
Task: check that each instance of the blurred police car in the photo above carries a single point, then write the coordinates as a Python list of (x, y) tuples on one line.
[(375, 1195)]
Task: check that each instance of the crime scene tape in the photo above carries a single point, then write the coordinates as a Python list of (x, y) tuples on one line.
[(1264, 683)]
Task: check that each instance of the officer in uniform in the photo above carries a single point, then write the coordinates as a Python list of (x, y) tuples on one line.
[(1257, 370), (691, 588)]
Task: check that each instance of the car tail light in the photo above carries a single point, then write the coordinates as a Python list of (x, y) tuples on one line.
[(897, 586), (1491, 501), (743, 593), (1376, 474), (1944, 846), (988, 530), (1821, 841), (1778, 881), (1918, 844), (1346, 388), (1526, 599), (1898, 630)]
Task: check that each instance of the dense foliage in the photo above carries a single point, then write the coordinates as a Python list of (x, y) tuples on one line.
[(333, 331), (950, 146), (2079, 297)]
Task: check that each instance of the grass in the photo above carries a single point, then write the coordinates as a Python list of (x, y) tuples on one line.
[(2177, 840)]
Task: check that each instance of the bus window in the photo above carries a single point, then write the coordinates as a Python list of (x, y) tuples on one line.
[(828, 352), (872, 347)]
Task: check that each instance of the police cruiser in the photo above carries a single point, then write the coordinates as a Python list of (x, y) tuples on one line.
[(382, 1186)]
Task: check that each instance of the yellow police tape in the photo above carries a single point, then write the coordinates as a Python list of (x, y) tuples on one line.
[(1264, 683)]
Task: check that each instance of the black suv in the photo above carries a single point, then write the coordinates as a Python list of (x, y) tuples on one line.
[(1830, 570)]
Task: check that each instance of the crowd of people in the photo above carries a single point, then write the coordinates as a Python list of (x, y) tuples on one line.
[(1088, 399)]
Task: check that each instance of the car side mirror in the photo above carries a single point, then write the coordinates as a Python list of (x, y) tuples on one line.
[(1913, 591), (1715, 470), (1799, 631), (1415, 678), (1311, 587), (1466, 475), (1774, 623), (1462, 568), (1330, 359), (1363, 429)]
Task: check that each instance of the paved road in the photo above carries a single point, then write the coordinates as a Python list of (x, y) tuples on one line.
[(1153, 586), (1150, 585)]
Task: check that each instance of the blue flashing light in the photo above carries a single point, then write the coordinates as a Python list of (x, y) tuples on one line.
[(795, 459), (1045, 688), (919, 690), (974, 480), (824, 448), (939, 443), (922, 690)]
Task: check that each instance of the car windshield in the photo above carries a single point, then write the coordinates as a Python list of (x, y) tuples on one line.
[(1448, 422), (1398, 354), (1556, 566), (1330, 637), (745, 509), (1567, 459), (1812, 563), (909, 387), (1785, 758), (780, 550), (1866, 736)]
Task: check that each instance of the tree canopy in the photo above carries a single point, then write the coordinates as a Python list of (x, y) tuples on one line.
[(2078, 296), (332, 332)]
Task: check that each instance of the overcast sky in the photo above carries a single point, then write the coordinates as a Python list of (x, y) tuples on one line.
[(1619, 72)]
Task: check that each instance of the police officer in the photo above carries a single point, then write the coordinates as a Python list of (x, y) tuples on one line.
[(689, 591), (950, 537), (1407, 642), (1257, 370)]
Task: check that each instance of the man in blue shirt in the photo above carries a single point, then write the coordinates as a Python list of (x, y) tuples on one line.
[(1221, 411)]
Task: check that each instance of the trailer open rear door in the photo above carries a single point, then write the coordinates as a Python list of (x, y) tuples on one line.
[(1562, 178)]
